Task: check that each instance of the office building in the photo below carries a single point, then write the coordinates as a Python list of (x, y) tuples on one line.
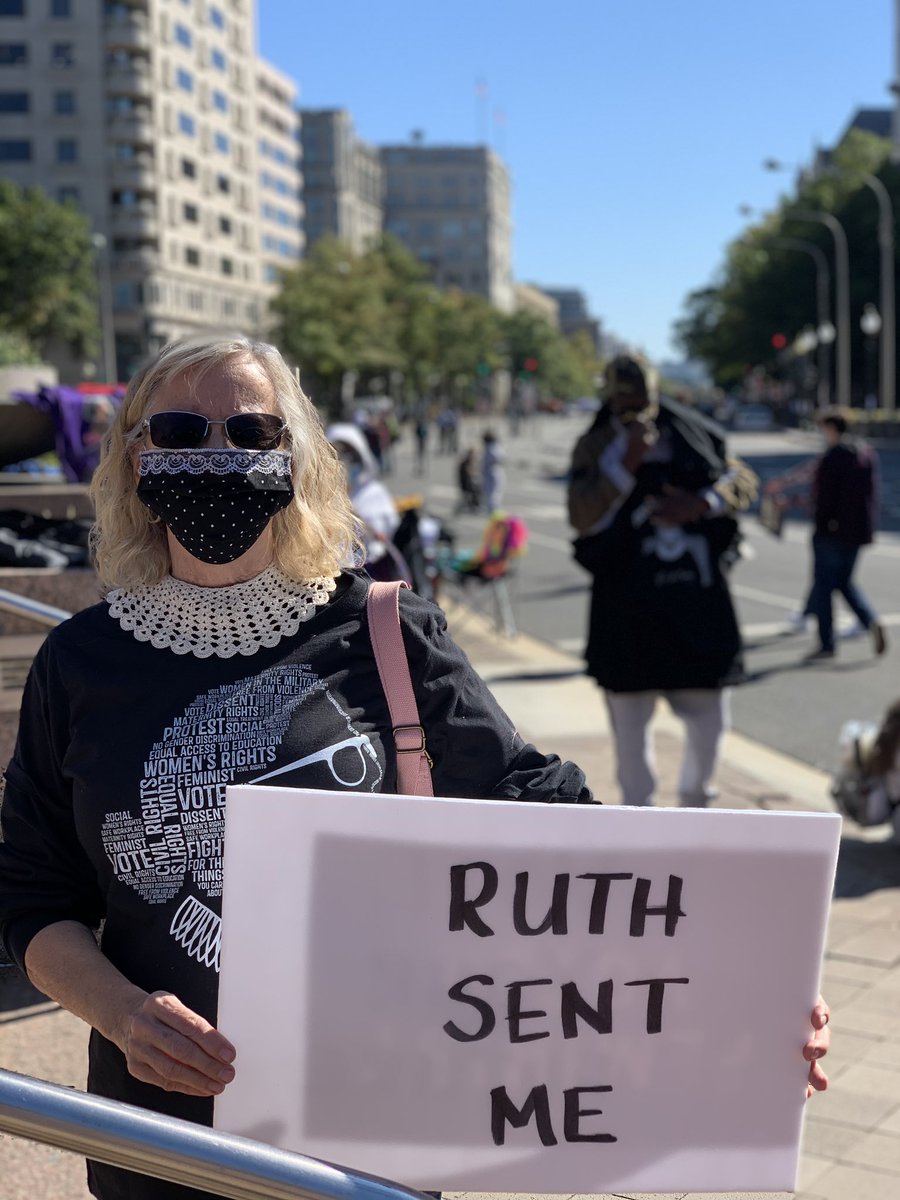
[(574, 316), (450, 205), (527, 297), (151, 115), (343, 186)]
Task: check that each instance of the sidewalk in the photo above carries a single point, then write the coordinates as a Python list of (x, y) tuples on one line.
[(851, 1147), (852, 1139)]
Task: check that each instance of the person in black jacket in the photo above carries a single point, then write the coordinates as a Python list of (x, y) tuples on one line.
[(232, 647), (652, 495), (845, 500)]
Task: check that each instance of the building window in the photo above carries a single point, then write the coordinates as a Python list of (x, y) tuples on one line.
[(13, 54), (227, 266), (192, 256), (190, 212), (187, 124), (225, 225), (66, 150), (60, 8), (220, 101), (223, 183), (184, 79), (183, 36), (62, 54), (12, 8), (15, 151), (216, 17), (68, 195), (188, 168), (217, 58), (64, 104), (14, 102), (221, 142)]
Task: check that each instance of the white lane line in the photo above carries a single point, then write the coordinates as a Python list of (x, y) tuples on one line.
[(886, 545), (770, 598)]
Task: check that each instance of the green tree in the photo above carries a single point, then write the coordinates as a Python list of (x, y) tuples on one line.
[(764, 287), (48, 287), (333, 317), (561, 367)]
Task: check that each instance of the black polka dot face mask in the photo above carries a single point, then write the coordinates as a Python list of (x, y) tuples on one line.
[(215, 502)]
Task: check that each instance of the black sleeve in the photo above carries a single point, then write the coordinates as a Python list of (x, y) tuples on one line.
[(476, 750), (45, 875)]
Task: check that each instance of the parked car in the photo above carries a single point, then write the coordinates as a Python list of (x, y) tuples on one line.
[(753, 418)]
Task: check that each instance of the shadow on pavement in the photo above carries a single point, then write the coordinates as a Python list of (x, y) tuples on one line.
[(534, 676), (865, 867), (16, 992)]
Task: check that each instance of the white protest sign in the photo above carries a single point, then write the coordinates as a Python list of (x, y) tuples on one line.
[(510, 997)]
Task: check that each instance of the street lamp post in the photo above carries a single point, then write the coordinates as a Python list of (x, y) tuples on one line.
[(842, 295), (823, 318), (871, 325), (888, 386), (825, 332), (107, 332)]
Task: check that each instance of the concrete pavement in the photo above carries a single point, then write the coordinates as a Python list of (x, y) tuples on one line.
[(852, 1137)]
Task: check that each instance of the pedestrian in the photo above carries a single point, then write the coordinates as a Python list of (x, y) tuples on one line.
[(652, 496), (372, 503), (845, 507), (467, 479), (447, 422), (421, 436), (233, 644), (493, 474)]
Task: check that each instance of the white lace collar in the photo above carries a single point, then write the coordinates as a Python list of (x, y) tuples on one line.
[(185, 618)]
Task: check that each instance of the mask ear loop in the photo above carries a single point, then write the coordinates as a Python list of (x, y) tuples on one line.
[(132, 437)]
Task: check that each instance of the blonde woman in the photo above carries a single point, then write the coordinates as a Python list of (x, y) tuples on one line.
[(232, 646)]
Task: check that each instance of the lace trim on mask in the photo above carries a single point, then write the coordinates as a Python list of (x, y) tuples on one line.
[(203, 621), (215, 462)]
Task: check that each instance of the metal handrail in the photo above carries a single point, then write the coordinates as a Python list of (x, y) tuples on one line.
[(175, 1150), (24, 606)]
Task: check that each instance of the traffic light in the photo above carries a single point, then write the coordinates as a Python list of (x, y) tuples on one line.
[(779, 341), (531, 365)]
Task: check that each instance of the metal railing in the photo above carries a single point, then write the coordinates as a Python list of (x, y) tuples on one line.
[(135, 1139), (35, 610)]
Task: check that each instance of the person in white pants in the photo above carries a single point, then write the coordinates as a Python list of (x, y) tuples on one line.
[(652, 496), (706, 715)]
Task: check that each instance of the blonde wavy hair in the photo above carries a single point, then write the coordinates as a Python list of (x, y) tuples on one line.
[(315, 535)]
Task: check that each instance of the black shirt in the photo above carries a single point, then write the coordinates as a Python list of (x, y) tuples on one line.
[(114, 806)]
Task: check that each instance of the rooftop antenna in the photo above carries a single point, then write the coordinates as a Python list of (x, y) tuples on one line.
[(417, 137), (500, 131), (481, 112)]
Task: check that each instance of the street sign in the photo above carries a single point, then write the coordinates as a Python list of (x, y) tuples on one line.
[(509, 997)]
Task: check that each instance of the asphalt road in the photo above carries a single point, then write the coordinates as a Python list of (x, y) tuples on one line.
[(787, 705)]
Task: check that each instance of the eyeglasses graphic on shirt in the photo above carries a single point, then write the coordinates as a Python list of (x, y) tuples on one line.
[(360, 749)]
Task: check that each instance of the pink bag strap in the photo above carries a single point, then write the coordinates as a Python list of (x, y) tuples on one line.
[(413, 761)]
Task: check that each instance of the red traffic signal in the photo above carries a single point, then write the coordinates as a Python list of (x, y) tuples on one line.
[(779, 341), (531, 365)]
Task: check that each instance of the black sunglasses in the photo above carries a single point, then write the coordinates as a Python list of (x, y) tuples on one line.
[(188, 430)]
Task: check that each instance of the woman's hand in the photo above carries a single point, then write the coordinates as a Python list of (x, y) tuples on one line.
[(817, 1047), (175, 1049)]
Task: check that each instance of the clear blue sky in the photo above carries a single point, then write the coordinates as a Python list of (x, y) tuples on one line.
[(633, 128)]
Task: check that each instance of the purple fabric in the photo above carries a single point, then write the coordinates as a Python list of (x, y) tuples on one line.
[(72, 412)]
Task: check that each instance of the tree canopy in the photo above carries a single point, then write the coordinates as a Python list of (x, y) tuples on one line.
[(767, 287), (377, 315), (48, 286)]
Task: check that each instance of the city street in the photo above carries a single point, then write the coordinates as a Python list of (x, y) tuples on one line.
[(789, 706)]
